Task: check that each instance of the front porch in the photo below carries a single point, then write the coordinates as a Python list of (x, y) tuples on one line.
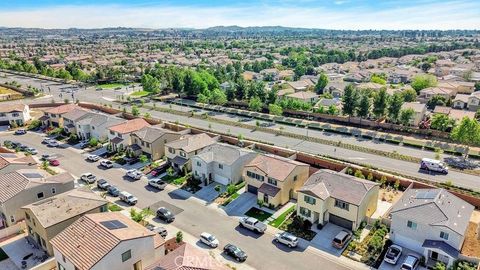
[(439, 251), (269, 195)]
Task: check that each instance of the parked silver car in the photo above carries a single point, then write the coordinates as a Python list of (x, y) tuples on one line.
[(287, 239)]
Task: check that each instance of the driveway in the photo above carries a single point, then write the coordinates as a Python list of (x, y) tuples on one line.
[(324, 237), (242, 204), (208, 193), (405, 252)]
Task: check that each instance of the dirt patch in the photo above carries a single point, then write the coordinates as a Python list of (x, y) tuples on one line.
[(389, 195), (471, 246)]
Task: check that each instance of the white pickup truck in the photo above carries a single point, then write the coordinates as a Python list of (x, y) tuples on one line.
[(253, 224)]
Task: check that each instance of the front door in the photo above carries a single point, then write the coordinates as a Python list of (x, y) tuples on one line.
[(434, 255), (265, 198), (137, 265)]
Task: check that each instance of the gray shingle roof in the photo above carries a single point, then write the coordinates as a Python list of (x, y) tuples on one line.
[(453, 252), (192, 143), (223, 153), (327, 183), (75, 114), (151, 134), (435, 207)]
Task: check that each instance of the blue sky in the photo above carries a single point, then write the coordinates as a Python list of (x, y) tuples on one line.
[(331, 14)]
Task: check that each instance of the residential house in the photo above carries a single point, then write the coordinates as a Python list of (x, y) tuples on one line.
[(107, 240), (427, 93), (336, 89), (274, 179), (325, 103), (442, 110), (151, 140), (70, 119), (119, 134), (286, 74), (339, 198), (420, 110), (474, 101), (458, 86), (221, 163), (458, 115), (460, 101), (302, 85), (27, 186), (48, 217), (180, 152), (251, 76), (187, 257), (431, 222), (95, 125), (270, 74), (304, 96), (54, 116), (10, 162), (370, 86), (14, 114)]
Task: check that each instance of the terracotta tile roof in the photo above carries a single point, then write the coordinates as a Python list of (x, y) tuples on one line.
[(269, 190), (275, 166), (8, 158), (130, 126), (87, 240), (62, 109), (187, 257), (192, 143), (6, 108)]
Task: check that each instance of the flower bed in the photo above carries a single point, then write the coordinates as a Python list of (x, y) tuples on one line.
[(298, 227)]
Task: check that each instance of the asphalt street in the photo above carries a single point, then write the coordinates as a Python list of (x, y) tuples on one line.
[(194, 217)]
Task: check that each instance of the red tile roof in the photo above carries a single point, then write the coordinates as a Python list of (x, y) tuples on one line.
[(62, 109), (130, 126)]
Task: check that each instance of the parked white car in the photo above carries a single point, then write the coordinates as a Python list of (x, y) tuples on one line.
[(411, 262), (209, 240), (53, 143), (157, 183), (394, 253), (106, 163), (128, 198), (88, 178), (134, 174), (93, 158), (287, 239)]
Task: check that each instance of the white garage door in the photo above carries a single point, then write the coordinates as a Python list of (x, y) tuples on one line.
[(408, 243), (221, 179)]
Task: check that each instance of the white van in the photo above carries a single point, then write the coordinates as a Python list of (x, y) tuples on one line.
[(433, 165)]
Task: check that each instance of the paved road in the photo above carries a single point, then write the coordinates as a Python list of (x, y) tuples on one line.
[(406, 168), (195, 217)]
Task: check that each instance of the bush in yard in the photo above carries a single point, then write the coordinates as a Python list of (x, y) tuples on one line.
[(179, 237), (93, 142), (439, 266), (359, 174), (34, 124), (55, 131), (143, 158), (231, 189), (218, 188)]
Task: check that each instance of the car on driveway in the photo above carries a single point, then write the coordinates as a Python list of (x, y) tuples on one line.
[(89, 178), (394, 253), (20, 132), (253, 224), (31, 150), (134, 174), (106, 163), (209, 240), (53, 143), (235, 252), (113, 191), (165, 214), (46, 157), (157, 183), (46, 140), (287, 239), (103, 184), (93, 158), (128, 198), (411, 262), (54, 162), (157, 229), (341, 239)]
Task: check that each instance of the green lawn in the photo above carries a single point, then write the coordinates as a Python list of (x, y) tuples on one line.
[(258, 214), (114, 208), (140, 93), (3, 255), (280, 219), (175, 180), (111, 85)]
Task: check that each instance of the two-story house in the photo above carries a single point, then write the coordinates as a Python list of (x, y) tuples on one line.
[(10, 162), (70, 119), (27, 186), (474, 101), (14, 114), (221, 163), (419, 110), (179, 152), (95, 125), (274, 179), (151, 140), (54, 116), (107, 240), (48, 217), (431, 222), (426, 94), (339, 198), (460, 101), (119, 135)]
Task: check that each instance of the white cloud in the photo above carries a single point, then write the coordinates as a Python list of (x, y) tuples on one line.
[(446, 15)]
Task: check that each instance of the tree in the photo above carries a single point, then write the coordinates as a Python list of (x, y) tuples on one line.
[(203, 98), (218, 97), (420, 82), (378, 79), (349, 100), (255, 104), (439, 266), (275, 109), (364, 106), (150, 84), (143, 158), (241, 89), (409, 95), (436, 100), (93, 142), (135, 111), (230, 93), (477, 86), (321, 83), (179, 237), (380, 102), (395, 105), (406, 115), (441, 122), (467, 133)]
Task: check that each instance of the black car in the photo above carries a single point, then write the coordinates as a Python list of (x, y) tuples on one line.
[(235, 252), (103, 184), (22, 147), (113, 191), (165, 214)]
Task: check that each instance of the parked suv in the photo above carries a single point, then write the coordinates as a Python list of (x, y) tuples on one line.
[(165, 214), (287, 239), (128, 198), (341, 239), (89, 178), (134, 174), (411, 262)]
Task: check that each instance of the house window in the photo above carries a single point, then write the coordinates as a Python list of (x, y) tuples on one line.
[(15, 114), (341, 204), (444, 235), (171, 150), (255, 176), (40, 195), (295, 178), (135, 140), (63, 258), (103, 208), (165, 141), (44, 244), (199, 164), (220, 166), (309, 200), (54, 190), (126, 255), (27, 216), (119, 135), (112, 132), (183, 154), (2, 115), (12, 219), (272, 181), (147, 144), (93, 127), (305, 212), (143, 143), (411, 225)]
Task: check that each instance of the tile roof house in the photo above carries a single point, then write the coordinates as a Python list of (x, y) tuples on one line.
[(221, 163), (54, 116), (95, 125), (301, 85), (420, 110), (151, 140), (18, 113), (180, 152), (431, 222), (305, 96), (474, 101), (427, 93), (187, 257), (274, 179), (460, 101), (27, 186), (119, 134), (339, 198), (10, 162), (70, 119), (48, 217), (107, 240)]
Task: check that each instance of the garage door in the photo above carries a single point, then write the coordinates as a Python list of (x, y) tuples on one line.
[(221, 179), (252, 189), (341, 221)]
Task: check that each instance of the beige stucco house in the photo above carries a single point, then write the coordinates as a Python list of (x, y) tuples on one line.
[(179, 152), (54, 116), (47, 218), (151, 140), (119, 135), (339, 198), (419, 109), (274, 179), (10, 162)]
